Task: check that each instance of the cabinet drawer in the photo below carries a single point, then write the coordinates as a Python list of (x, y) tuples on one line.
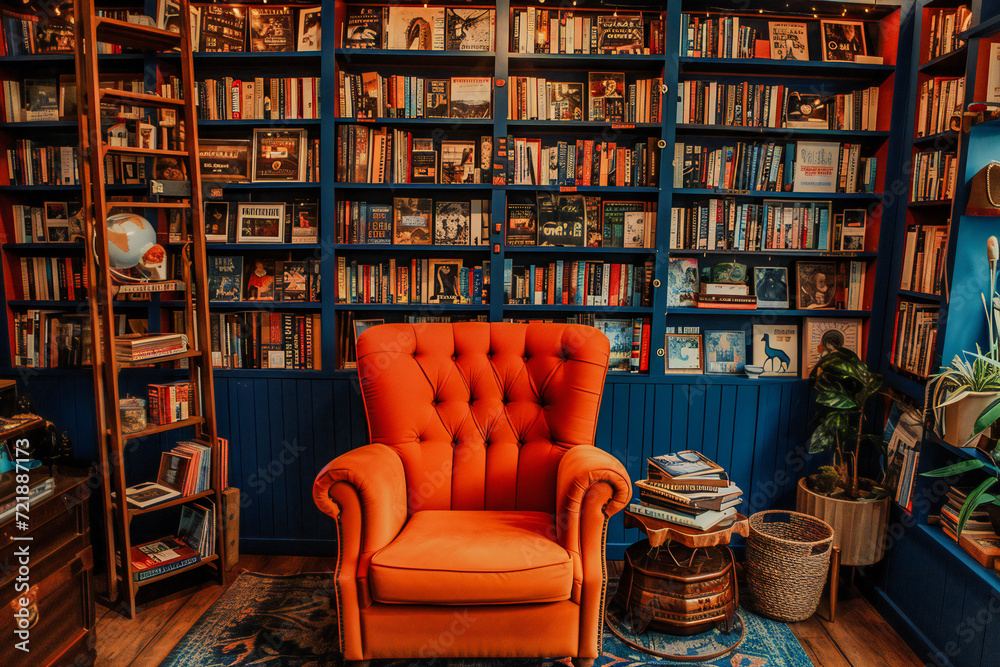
[(61, 611)]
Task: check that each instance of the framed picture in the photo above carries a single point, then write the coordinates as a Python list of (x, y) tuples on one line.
[(279, 156), (606, 96), (271, 29), (411, 218), (217, 221), (816, 285), (843, 41), (852, 232), (445, 280), (805, 110), (224, 160), (451, 222), (260, 280), (682, 354), (823, 335), (776, 349), (458, 161), (566, 101), (56, 222), (310, 36), (683, 282), (725, 352), (788, 41), (225, 278), (260, 222), (305, 222), (361, 326), (771, 286)]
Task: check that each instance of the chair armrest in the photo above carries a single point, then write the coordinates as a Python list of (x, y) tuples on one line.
[(366, 489), (584, 469)]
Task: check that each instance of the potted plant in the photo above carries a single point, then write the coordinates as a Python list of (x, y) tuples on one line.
[(980, 495), (965, 396), (857, 507)]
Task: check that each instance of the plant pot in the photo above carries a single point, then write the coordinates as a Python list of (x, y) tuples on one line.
[(858, 525), (960, 417), (994, 512)]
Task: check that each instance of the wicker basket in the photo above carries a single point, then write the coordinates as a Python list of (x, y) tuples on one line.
[(788, 558)]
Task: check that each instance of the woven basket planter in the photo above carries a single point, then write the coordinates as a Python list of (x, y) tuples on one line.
[(788, 559)]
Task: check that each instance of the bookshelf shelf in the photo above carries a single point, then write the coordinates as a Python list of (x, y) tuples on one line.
[(545, 60), (189, 354), (153, 429), (247, 185), (771, 312), (761, 194), (946, 63), (601, 310), (776, 253), (31, 189), (964, 452), (81, 305), (68, 125), (173, 502), (240, 247), (984, 28), (279, 373), (946, 138), (581, 188), (413, 186), (519, 249), (579, 124), (935, 203), (920, 296), (738, 130), (989, 577), (421, 249), (422, 308), (254, 305), (61, 247), (435, 122), (392, 56), (766, 67), (905, 383), (261, 122)]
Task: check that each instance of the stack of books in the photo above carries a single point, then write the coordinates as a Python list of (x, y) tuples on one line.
[(979, 520), (132, 348), (687, 489), (195, 540)]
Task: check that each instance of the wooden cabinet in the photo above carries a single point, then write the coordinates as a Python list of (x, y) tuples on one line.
[(57, 582)]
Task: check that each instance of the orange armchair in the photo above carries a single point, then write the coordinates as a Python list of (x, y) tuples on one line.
[(474, 525)]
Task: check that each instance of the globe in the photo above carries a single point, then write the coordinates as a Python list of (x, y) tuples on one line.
[(129, 237)]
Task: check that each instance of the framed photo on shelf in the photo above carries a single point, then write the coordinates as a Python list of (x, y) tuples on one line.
[(260, 222), (310, 34), (843, 41), (224, 160), (411, 220), (445, 280), (683, 354), (823, 335), (279, 156), (788, 41), (776, 349), (260, 281), (805, 110), (271, 29), (470, 29), (771, 286), (725, 352), (471, 97), (305, 221), (852, 231), (451, 222), (458, 161), (606, 96), (225, 277), (566, 101), (216, 221), (816, 284), (56, 222)]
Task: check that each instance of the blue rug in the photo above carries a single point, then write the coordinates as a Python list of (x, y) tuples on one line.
[(286, 621)]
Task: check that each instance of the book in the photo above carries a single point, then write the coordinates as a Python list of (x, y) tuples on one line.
[(452, 222), (278, 155), (776, 349), (680, 465), (259, 280), (222, 29), (561, 220), (471, 97), (815, 166), (704, 521), (683, 282), (309, 34), (820, 335), (305, 221), (364, 27), (713, 499), (378, 227), (159, 557), (620, 33), (416, 28), (271, 29), (225, 277), (605, 96), (619, 335), (412, 221), (788, 40), (469, 29), (148, 494), (522, 225), (41, 485)]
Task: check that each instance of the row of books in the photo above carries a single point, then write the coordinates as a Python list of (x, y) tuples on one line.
[(540, 30), (587, 162), (578, 283), (718, 37), (935, 174), (687, 489), (979, 518), (51, 339), (414, 221), (223, 29), (725, 224), (802, 166), (380, 155), (923, 259), (137, 348), (32, 163), (52, 279), (579, 221), (265, 98), (195, 540), (607, 99), (349, 327), (940, 103), (262, 279), (629, 342), (49, 223), (430, 281), (944, 26), (748, 104), (400, 27), (169, 402), (902, 436), (371, 95), (915, 338), (265, 339)]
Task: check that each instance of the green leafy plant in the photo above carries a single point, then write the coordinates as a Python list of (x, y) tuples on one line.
[(979, 496), (844, 385)]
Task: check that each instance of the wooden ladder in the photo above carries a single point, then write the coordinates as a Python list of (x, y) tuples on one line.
[(102, 287)]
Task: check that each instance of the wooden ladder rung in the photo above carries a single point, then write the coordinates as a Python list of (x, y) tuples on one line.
[(149, 204), (139, 99), (143, 152), (135, 36)]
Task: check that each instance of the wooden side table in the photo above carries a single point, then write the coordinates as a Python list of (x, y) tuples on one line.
[(679, 581)]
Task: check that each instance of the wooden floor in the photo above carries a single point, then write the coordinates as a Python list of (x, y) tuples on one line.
[(859, 638)]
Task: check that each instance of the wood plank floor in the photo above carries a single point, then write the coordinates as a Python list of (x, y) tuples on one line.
[(859, 638)]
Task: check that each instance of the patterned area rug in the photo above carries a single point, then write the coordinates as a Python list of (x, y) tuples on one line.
[(286, 621)]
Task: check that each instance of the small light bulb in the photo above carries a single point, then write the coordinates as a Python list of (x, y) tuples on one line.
[(615, 14)]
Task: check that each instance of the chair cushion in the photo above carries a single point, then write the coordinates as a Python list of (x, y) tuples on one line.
[(473, 557)]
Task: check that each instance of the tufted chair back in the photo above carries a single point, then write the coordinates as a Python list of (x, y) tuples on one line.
[(481, 413)]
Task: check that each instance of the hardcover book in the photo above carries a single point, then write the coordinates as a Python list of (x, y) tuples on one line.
[(816, 166), (223, 29), (294, 279), (363, 28), (225, 277), (615, 215), (565, 101), (416, 28), (788, 41), (776, 349), (469, 29), (562, 220), (452, 221), (682, 282), (522, 224), (619, 334), (305, 222), (412, 220), (423, 166), (682, 465), (471, 97), (817, 284), (458, 161), (771, 286), (41, 99), (224, 159), (606, 96), (216, 221), (436, 98), (259, 222), (260, 280), (619, 34), (279, 156), (725, 352), (822, 335), (271, 29), (378, 226)]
